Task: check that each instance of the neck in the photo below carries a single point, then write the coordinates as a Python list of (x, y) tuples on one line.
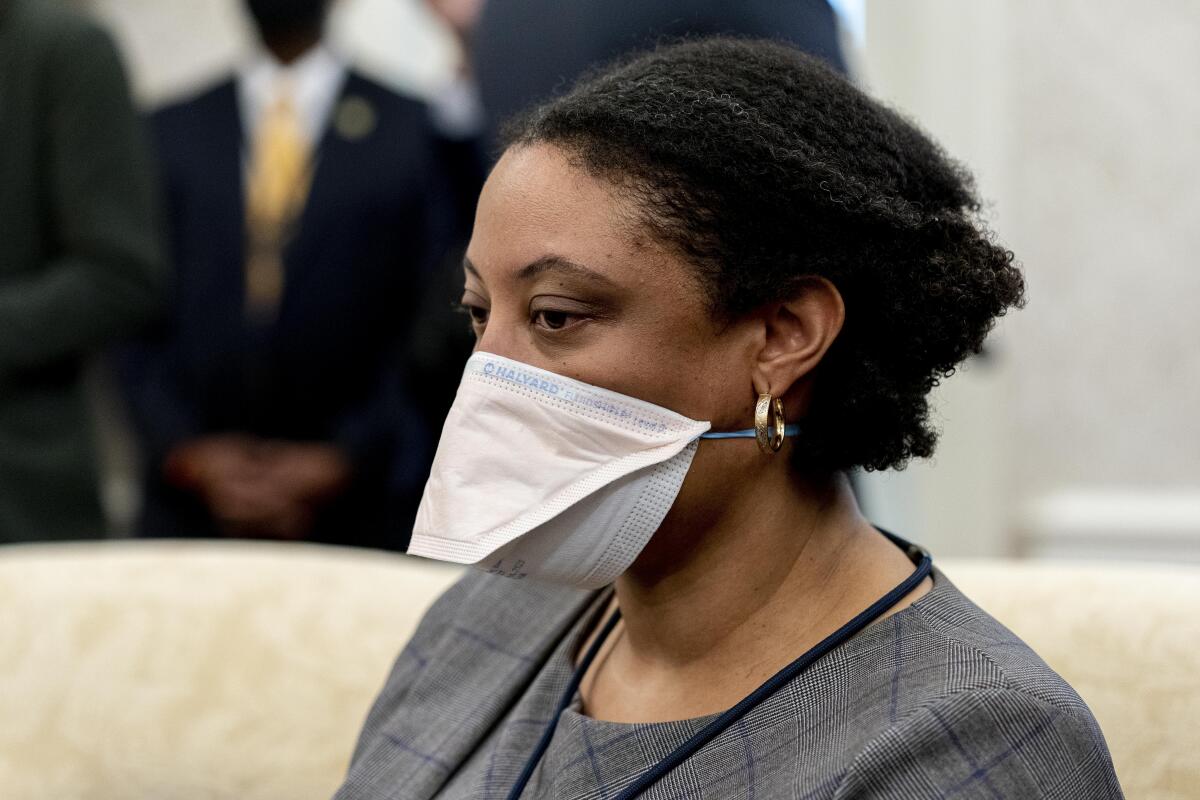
[(723, 572), (742, 578), (288, 46)]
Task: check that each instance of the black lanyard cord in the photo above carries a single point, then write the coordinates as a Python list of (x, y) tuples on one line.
[(727, 718)]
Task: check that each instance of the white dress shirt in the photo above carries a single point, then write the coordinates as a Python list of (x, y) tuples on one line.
[(314, 82), (456, 109)]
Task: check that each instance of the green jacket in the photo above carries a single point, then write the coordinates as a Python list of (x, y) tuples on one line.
[(81, 259)]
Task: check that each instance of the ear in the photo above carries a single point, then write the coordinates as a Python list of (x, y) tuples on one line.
[(796, 335)]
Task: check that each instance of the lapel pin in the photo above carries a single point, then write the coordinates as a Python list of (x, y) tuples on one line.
[(354, 118)]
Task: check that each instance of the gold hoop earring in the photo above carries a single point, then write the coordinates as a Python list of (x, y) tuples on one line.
[(769, 432)]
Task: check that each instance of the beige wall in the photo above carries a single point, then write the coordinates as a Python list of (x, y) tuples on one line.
[(1082, 122)]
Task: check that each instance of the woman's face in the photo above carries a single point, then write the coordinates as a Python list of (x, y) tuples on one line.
[(560, 275)]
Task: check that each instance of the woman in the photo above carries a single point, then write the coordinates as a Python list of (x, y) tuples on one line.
[(712, 234)]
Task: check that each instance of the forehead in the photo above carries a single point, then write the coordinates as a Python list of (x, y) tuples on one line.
[(536, 203)]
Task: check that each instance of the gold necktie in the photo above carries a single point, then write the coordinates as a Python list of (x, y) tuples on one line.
[(276, 187)]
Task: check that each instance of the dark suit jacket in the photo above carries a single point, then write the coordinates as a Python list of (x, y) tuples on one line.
[(81, 261), (525, 51), (331, 368)]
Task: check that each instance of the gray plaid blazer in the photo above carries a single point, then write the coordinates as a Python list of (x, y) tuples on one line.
[(938, 700)]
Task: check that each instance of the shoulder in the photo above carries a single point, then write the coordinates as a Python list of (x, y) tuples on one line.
[(971, 742), (184, 127), (942, 645), (217, 96), (479, 622), (70, 46), (949, 617), (969, 706), (408, 151), (507, 614), (393, 105), (56, 28)]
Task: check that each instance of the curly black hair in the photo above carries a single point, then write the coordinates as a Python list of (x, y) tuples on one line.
[(764, 168)]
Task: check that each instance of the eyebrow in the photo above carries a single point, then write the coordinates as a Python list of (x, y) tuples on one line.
[(549, 263)]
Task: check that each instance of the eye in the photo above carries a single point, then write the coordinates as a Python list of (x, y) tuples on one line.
[(551, 314), (553, 320), (477, 314)]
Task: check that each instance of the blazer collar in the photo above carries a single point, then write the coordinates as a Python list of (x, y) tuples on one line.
[(419, 757)]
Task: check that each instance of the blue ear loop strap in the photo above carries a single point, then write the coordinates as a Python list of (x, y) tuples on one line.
[(788, 430)]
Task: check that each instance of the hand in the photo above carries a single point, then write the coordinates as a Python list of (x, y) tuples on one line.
[(310, 472), (225, 472), (197, 463), (260, 488), (291, 482), (256, 508)]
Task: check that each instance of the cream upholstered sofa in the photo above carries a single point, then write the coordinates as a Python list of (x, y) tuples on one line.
[(197, 670)]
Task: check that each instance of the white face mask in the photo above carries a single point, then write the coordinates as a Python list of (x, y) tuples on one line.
[(541, 476)]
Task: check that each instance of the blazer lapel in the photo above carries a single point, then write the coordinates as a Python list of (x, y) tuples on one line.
[(229, 148), (439, 727), (336, 162)]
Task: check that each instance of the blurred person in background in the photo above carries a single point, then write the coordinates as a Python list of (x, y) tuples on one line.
[(521, 52), (306, 209), (81, 262)]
